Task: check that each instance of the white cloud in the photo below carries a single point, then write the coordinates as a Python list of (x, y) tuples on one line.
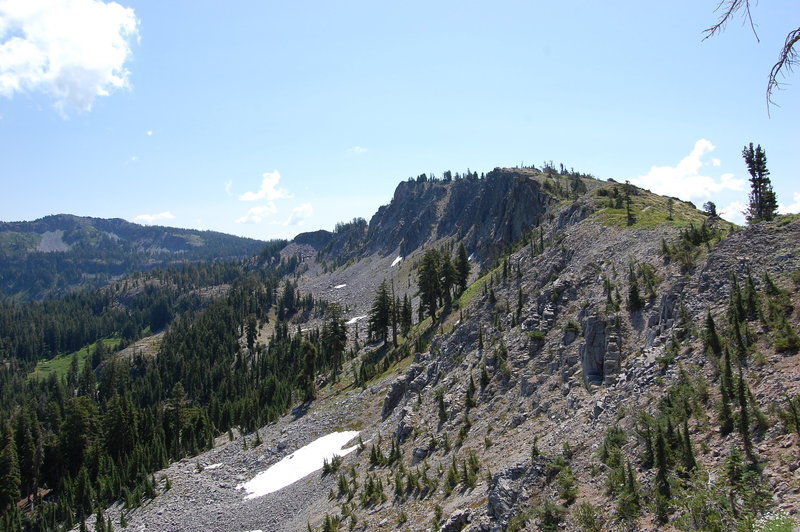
[(300, 214), (684, 180), (715, 162), (357, 150), (151, 218), (733, 212), (257, 214), (298, 217), (269, 189), (228, 185), (71, 50), (149, 133), (793, 208)]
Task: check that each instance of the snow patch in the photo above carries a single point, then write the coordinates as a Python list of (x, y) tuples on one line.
[(396, 261), (338, 286), (213, 466), (471, 256), (300, 463), (351, 321)]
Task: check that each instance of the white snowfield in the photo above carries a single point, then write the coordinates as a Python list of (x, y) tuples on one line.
[(300, 463), (338, 286), (354, 320), (396, 261)]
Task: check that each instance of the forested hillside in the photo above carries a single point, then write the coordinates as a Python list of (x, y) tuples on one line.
[(56, 254)]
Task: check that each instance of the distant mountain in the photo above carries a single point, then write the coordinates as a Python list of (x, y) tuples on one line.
[(55, 254)]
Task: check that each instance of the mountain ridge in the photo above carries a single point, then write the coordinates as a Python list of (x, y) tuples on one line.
[(57, 253)]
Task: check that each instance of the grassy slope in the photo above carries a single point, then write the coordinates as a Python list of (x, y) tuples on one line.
[(60, 364)]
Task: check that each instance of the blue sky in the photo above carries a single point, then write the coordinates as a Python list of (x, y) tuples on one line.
[(266, 119)]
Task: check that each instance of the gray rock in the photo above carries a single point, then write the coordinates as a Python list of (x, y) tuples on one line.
[(457, 520), (394, 395)]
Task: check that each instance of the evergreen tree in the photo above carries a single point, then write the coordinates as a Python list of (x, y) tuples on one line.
[(763, 202), (462, 268), (725, 414), (448, 276), (689, 462), (744, 418), (429, 282), (713, 342), (334, 337), (406, 316), (380, 313), (9, 471), (309, 372), (663, 491)]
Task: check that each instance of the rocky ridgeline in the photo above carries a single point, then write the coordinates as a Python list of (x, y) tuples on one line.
[(533, 370)]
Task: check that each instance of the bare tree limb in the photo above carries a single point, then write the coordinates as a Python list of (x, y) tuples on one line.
[(788, 57), (730, 9), (786, 61)]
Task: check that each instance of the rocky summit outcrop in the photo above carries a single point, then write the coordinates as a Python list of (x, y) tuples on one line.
[(486, 215)]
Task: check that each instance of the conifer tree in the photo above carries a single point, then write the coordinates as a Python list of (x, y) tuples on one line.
[(406, 316), (689, 463), (744, 418), (725, 414), (663, 491), (9, 471), (713, 342), (334, 338), (308, 374), (429, 281), (763, 202), (380, 313), (462, 268)]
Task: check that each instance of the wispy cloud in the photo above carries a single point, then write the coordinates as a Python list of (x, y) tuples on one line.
[(733, 212), (791, 208), (299, 215), (149, 133), (685, 180), (257, 214), (152, 218), (228, 185), (357, 150), (71, 50), (269, 189)]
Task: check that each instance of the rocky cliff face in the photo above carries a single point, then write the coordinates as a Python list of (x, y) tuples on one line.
[(487, 215)]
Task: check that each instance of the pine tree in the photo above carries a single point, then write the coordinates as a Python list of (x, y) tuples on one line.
[(689, 463), (308, 374), (406, 316), (334, 338), (663, 491), (448, 276), (380, 313), (713, 343), (725, 414), (462, 268), (429, 282), (9, 471), (763, 202), (744, 418)]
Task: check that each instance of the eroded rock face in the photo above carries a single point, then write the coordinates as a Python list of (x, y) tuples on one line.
[(394, 395), (600, 352), (593, 349)]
